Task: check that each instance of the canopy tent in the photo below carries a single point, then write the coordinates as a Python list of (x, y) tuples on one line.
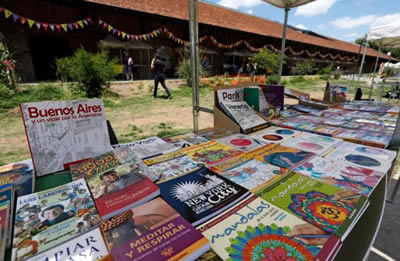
[(285, 4)]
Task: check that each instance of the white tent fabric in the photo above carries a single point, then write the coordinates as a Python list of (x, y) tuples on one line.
[(387, 35), (287, 3)]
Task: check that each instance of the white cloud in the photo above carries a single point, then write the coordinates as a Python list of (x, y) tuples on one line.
[(352, 35), (386, 19), (315, 8), (250, 11), (348, 22), (322, 26), (301, 26), (240, 3)]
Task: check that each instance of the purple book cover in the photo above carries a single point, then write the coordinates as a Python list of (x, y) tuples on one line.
[(274, 95)]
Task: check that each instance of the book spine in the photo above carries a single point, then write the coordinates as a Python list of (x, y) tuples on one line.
[(29, 143)]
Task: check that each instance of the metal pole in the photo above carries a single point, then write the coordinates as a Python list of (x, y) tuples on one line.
[(373, 76), (283, 44), (194, 59), (362, 61)]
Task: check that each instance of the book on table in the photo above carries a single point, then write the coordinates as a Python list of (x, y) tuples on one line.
[(4, 225), (117, 180), (213, 134), (7, 195), (254, 97), (274, 135), (230, 95), (314, 143), (202, 194), (153, 231), (185, 140), (61, 132), (241, 142), (21, 175)]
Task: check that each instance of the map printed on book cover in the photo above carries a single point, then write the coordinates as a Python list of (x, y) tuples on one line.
[(61, 132), (20, 175), (244, 116), (357, 179), (149, 147), (200, 195), (280, 156), (46, 219), (153, 231), (247, 172), (332, 209), (4, 220), (363, 156), (241, 142), (172, 165), (274, 135), (185, 140), (254, 229), (116, 186), (211, 152), (89, 246)]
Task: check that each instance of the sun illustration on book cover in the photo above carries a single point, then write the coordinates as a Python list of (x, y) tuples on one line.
[(188, 189), (321, 209), (263, 243)]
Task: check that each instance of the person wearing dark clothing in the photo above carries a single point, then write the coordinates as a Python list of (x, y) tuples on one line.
[(159, 66)]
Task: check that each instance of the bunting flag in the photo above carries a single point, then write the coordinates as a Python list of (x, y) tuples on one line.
[(7, 13), (22, 19), (30, 23), (64, 26)]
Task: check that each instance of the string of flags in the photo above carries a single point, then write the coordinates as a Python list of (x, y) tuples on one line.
[(80, 24), (45, 26)]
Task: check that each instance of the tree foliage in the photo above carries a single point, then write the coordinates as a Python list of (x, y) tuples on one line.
[(267, 61), (184, 71), (304, 67)]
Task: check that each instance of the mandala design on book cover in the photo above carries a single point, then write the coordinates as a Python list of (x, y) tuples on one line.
[(320, 209), (264, 243), (188, 189)]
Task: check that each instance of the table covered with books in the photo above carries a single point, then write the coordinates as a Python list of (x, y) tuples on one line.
[(267, 182)]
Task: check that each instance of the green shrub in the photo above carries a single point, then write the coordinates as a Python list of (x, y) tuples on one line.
[(267, 61), (92, 71), (297, 79), (7, 69), (324, 77), (184, 71), (5, 92), (337, 74), (273, 78), (284, 82), (325, 71), (47, 91), (304, 67)]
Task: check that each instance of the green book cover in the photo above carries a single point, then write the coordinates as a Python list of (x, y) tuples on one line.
[(251, 96), (332, 209)]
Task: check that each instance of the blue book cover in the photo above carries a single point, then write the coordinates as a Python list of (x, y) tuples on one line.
[(201, 195), (7, 194), (20, 175)]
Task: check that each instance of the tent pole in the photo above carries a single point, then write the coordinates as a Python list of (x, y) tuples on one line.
[(282, 56), (194, 59), (373, 76), (362, 61)]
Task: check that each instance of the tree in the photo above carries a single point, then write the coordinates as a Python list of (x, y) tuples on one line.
[(304, 67), (184, 71), (267, 61)]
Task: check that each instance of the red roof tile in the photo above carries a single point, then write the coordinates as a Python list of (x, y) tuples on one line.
[(218, 16)]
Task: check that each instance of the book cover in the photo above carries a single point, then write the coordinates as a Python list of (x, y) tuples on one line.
[(4, 224), (20, 174), (230, 95), (241, 142), (274, 135), (327, 130), (376, 139), (363, 156), (87, 246), (52, 180), (185, 140), (244, 116), (213, 134), (200, 195), (314, 143), (274, 95), (247, 172), (254, 229), (149, 147), (255, 98), (280, 156), (46, 219), (153, 231), (172, 165), (60, 132), (116, 185), (332, 209), (211, 152), (7, 194), (357, 179)]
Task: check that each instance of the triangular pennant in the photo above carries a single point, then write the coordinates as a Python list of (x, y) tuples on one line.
[(105, 25), (22, 20), (123, 35), (30, 23), (100, 21), (1, 9), (80, 23), (114, 30), (128, 36), (45, 26), (65, 27), (52, 27), (144, 37), (75, 25), (119, 32), (136, 37), (89, 20), (38, 25), (7, 13), (15, 17), (86, 22), (70, 27), (109, 28), (58, 26)]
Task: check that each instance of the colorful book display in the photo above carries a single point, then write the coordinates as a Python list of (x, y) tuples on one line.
[(4, 224), (7, 195), (213, 134), (257, 230), (201, 195), (280, 156), (185, 140), (247, 172), (274, 135), (21, 175), (211, 152), (332, 209), (153, 231), (116, 184), (88, 246), (64, 131), (46, 219), (314, 143), (357, 179), (241, 142), (255, 98)]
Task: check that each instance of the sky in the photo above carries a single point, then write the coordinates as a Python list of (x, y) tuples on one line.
[(342, 19)]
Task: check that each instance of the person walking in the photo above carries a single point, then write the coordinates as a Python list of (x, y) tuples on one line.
[(158, 66), (129, 67)]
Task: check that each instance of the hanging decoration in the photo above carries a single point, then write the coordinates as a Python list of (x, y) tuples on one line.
[(45, 26)]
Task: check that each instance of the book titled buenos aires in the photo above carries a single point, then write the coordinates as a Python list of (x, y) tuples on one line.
[(202, 194), (153, 231), (61, 132), (117, 180)]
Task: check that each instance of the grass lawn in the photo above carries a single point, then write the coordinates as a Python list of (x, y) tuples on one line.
[(131, 111)]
